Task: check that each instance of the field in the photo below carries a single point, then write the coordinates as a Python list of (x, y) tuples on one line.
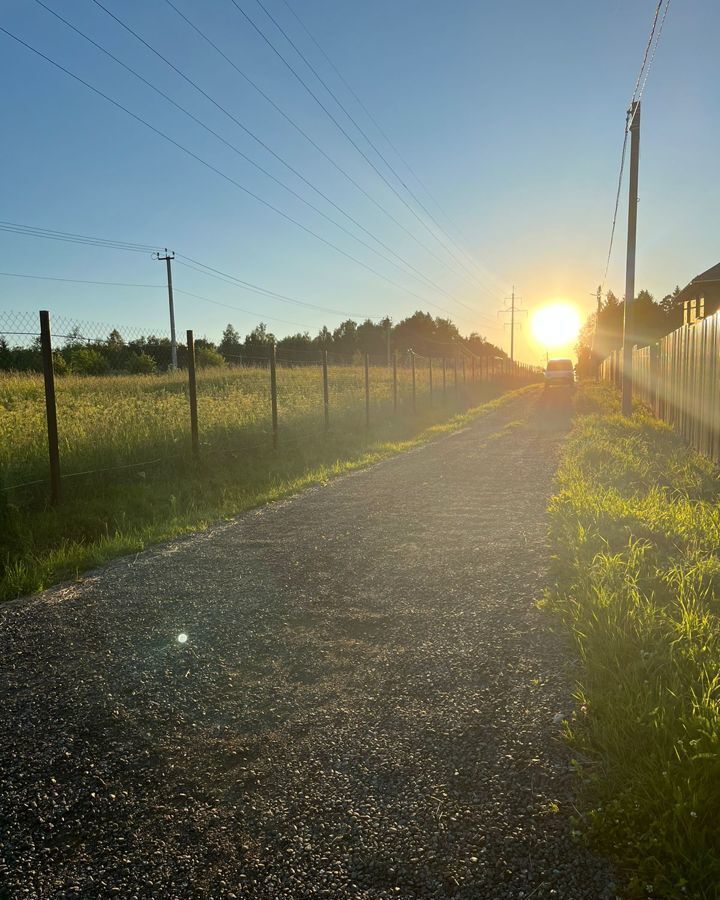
[(635, 527), (128, 474)]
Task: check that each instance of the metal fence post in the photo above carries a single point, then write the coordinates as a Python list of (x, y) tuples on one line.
[(326, 391), (412, 367), (192, 385), (367, 390), (50, 406), (273, 395)]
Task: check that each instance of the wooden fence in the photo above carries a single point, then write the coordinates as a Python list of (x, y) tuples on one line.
[(679, 379)]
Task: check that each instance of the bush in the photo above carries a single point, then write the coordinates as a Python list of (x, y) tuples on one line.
[(60, 366), (142, 364), (86, 361), (207, 358)]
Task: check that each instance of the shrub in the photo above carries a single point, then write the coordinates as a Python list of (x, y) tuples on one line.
[(142, 364), (86, 361), (207, 358)]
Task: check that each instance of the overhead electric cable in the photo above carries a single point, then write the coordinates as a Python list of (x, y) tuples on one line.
[(317, 190), (640, 83), (217, 171), (339, 125), (374, 121), (371, 143), (263, 144)]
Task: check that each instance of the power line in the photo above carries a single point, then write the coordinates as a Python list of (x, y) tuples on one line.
[(372, 144), (219, 172), (79, 280), (230, 62), (70, 237), (332, 117), (374, 121), (250, 133), (640, 83), (212, 272)]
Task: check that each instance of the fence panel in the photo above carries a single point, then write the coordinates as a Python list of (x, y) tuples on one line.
[(679, 379)]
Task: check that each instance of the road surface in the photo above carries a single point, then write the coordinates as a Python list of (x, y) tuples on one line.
[(365, 705)]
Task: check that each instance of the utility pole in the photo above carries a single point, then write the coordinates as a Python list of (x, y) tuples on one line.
[(512, 326), (594, 347), (173, 340), (628, 309), (513, 310)]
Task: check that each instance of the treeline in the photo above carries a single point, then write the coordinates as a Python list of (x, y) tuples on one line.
[(652, 320), (348, 343)]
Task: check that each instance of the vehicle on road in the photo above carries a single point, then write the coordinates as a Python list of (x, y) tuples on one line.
[(559, 372)]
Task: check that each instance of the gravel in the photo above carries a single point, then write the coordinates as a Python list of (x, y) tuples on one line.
[(367, 705)]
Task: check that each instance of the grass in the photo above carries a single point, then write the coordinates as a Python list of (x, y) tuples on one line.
[(635, 525), (143, 422)]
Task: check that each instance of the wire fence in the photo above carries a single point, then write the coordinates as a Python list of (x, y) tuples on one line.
[(80, 400), (678, 378)]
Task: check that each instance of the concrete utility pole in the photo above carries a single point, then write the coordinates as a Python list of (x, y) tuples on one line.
[(173, 340), (594, 347), (628, 329)]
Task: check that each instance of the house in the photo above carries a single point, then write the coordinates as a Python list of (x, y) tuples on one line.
[(702, 296)]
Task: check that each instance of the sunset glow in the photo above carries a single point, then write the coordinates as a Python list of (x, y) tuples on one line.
[(556, 325)]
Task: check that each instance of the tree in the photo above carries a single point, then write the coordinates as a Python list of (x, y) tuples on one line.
[(230, 345), (257, 343)]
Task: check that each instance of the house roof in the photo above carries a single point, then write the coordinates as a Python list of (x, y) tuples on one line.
[(709, 275)]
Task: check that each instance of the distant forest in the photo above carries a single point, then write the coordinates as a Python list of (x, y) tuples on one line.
[(651, 320), (348, 343)]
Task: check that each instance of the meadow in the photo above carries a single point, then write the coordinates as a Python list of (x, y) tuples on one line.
[(635, 527), (128, 473)]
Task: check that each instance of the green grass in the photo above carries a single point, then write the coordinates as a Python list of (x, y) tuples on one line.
[(635, 526), (111, 421)]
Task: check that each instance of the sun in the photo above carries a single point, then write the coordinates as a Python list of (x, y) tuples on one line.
[(556, 325)]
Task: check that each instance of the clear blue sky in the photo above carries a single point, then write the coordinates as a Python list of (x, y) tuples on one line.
[(510, 112)]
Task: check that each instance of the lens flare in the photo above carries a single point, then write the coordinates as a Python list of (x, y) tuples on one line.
[(182, 638), (556, 325)]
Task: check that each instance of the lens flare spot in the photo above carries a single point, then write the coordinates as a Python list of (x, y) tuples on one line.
[(182, 638)]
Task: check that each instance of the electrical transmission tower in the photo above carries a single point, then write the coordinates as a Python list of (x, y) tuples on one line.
[(514, 311)]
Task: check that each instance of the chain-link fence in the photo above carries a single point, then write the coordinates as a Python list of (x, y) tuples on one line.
[(121, 407)]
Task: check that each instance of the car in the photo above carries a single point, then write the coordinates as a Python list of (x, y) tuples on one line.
[(559, 372)]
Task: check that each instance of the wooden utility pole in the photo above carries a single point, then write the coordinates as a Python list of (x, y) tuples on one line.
[(628, 309), (168, 258)]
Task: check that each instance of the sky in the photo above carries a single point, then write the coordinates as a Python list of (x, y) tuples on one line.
[(510, 116)]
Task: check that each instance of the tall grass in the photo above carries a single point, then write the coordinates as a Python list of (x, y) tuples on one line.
[(142, 422), (636, 529)]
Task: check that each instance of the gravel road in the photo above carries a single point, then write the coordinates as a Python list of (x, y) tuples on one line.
[(365, 705)]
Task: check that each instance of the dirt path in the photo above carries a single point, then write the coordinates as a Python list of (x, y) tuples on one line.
[(363, 707)]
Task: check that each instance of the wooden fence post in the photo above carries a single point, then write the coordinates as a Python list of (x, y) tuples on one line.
[(367, 390), (273, 395), (472, 370), (463, 369), (192, 385), (444, 370), (394, 388), (50, 406), (326, 390), (412, 366), (455, 372), (430, 379)]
